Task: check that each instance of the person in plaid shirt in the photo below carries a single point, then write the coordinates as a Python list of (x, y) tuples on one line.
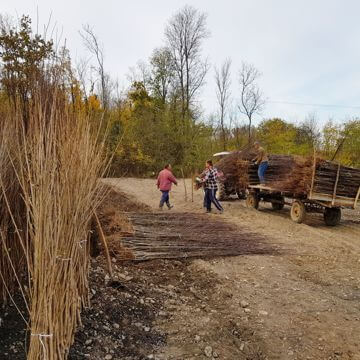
[(210, 186)]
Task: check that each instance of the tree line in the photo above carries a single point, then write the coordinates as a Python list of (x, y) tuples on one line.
[(159, 118)]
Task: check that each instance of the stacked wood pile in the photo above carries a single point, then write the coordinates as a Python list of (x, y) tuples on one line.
[(330, 175), (160, 236), (292, 174), (237, 168)]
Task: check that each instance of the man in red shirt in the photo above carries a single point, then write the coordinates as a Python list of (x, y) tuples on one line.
[(164, 183)]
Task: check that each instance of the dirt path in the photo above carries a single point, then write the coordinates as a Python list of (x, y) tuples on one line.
[(302, 304)]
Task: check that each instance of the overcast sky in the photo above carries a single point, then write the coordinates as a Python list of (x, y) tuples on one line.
[(308, 51)]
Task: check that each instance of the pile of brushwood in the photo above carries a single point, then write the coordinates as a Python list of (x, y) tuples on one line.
[(291, 174)]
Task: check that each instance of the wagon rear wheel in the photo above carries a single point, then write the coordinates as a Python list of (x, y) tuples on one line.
[(252, 201), (298, 212), (332, 216)]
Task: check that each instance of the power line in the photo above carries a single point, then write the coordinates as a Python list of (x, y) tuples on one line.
[(318, 105)]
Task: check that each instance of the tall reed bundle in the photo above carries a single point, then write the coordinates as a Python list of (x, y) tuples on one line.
[(57, 162)]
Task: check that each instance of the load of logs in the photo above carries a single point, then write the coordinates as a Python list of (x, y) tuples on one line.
[(292, 174)]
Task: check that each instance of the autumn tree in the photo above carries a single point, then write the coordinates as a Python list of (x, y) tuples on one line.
[(23, 55), (252, 101), (223, 82)]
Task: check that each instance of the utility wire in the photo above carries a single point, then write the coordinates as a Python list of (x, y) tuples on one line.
[(319, 105)]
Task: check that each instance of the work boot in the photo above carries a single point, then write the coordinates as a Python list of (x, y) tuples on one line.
[(161, 206), (169, 206)]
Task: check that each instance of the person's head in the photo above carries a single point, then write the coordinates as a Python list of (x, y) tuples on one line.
[(209, 164), (256, 145), (167, 166)]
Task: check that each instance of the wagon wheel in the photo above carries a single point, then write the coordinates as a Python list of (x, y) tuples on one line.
[(332, 216), (241, 194), (221, 194), (279, 203), (252, 201), (298, 212)]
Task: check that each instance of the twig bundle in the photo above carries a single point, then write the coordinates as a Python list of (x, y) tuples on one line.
[(159, 236), (55, 165)]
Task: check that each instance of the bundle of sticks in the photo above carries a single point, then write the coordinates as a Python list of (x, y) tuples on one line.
[(238, 169), (164, 236), (292, 174), (329, 175)]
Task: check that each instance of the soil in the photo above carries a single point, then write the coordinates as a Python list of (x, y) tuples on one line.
[(303, 303), (300, 302)]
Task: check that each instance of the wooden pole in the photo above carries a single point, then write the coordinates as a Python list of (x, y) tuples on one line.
[(336, 183), (357, 198), (192, 187), (313, 175), (182, 173)]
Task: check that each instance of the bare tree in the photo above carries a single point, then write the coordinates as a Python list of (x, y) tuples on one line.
[(308, 131), (223, 82), (185, 33), (140, 73), (251, 100), (92, 44)]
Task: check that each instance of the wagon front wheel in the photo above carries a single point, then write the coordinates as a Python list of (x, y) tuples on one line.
[(298, 212), (252, 201), (332, 216)]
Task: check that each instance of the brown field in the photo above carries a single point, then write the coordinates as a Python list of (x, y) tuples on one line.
[(303, 303)]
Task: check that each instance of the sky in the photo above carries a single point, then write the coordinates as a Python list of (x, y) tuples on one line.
[(308, 51)]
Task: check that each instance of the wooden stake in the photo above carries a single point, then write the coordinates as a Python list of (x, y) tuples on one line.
[(336, 183), (182, 173), (192, 188), (357, 198), (103, 240)]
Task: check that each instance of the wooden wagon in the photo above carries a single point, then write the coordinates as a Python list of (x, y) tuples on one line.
[(333, 187)]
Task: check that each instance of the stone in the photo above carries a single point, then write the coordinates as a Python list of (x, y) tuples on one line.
[(208, 351), (146, 328), (242, 346), (108, 357), (116, 326), (197, 338), (244, 304), (247, 310), (88, 342), (263, 313)]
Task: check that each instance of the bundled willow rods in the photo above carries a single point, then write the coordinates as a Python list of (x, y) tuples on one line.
[(238, 171), (325, 179), (56, 162), (12, 211), (160, 236)]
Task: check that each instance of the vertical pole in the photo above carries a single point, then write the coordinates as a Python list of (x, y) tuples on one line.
[(192, 187), (182, 173), (313, 175), (336, 183)]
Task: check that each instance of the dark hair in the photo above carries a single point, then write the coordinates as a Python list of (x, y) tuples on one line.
[(209, 162), (166, 166)]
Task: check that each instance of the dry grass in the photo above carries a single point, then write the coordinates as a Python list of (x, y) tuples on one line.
[(50, 190)]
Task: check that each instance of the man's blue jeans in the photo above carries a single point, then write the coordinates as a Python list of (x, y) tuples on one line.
[(164, 198), (261, 171)]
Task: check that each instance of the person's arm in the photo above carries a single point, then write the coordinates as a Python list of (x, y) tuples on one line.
[(259, 156), (172, 178), (205, 177), (158, 181)]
